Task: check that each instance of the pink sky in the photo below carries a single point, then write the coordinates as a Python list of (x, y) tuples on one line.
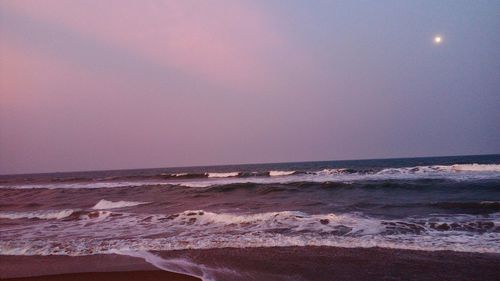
[(90, 85)]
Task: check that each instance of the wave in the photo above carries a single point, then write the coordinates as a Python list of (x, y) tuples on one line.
[(281, 173), (350, 176), (484, 205), (105, 204), (62, 215), (223, 175), (46, 215), (88, 184), (455, 168), (341, 224), (417, 170), (476, 167), (181, 176), (330, 172), (200, 229), (456, 172)]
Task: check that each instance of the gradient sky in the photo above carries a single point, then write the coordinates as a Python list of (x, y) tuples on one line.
[(89, 85)]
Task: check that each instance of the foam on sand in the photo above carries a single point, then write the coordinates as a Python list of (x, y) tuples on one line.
[(178, 265)]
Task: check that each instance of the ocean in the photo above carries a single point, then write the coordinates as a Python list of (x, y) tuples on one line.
[(427, 204)]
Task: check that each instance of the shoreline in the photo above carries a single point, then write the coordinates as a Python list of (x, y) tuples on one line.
[(276, 263), (149, 275), (92, 267)]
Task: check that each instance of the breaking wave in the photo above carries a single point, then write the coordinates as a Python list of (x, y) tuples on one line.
[(280, 173), (199, 229), (475, 167), (105, 204), (456, 168), (223, 175), (45, 215), (62, 215)]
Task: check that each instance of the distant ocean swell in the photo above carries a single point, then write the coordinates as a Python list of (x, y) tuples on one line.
[(458, 172)]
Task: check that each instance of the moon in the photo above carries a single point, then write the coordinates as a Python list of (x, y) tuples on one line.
[(438, 39)]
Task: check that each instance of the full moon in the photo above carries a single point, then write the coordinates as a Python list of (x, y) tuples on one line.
[(438, 39)]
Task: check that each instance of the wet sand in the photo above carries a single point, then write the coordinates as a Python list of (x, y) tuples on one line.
[(284, 263), (112, 276), (94, 267)]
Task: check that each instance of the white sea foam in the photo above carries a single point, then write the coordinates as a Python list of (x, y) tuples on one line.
[(96, 216), (47, 214), (223, 175), (105, 204), (330, 172), (476, 167), (436, 169), (450, 172), (198, 229), (280, 173), (489, 202), (178, 265)]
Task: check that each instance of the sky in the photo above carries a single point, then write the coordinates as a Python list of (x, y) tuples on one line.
[(116, 84)]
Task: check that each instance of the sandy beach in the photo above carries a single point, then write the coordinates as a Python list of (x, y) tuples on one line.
[(283, 263), (112, 276), (94, 267)]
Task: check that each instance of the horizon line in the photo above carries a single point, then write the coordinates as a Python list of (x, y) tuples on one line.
[(241, 164)]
